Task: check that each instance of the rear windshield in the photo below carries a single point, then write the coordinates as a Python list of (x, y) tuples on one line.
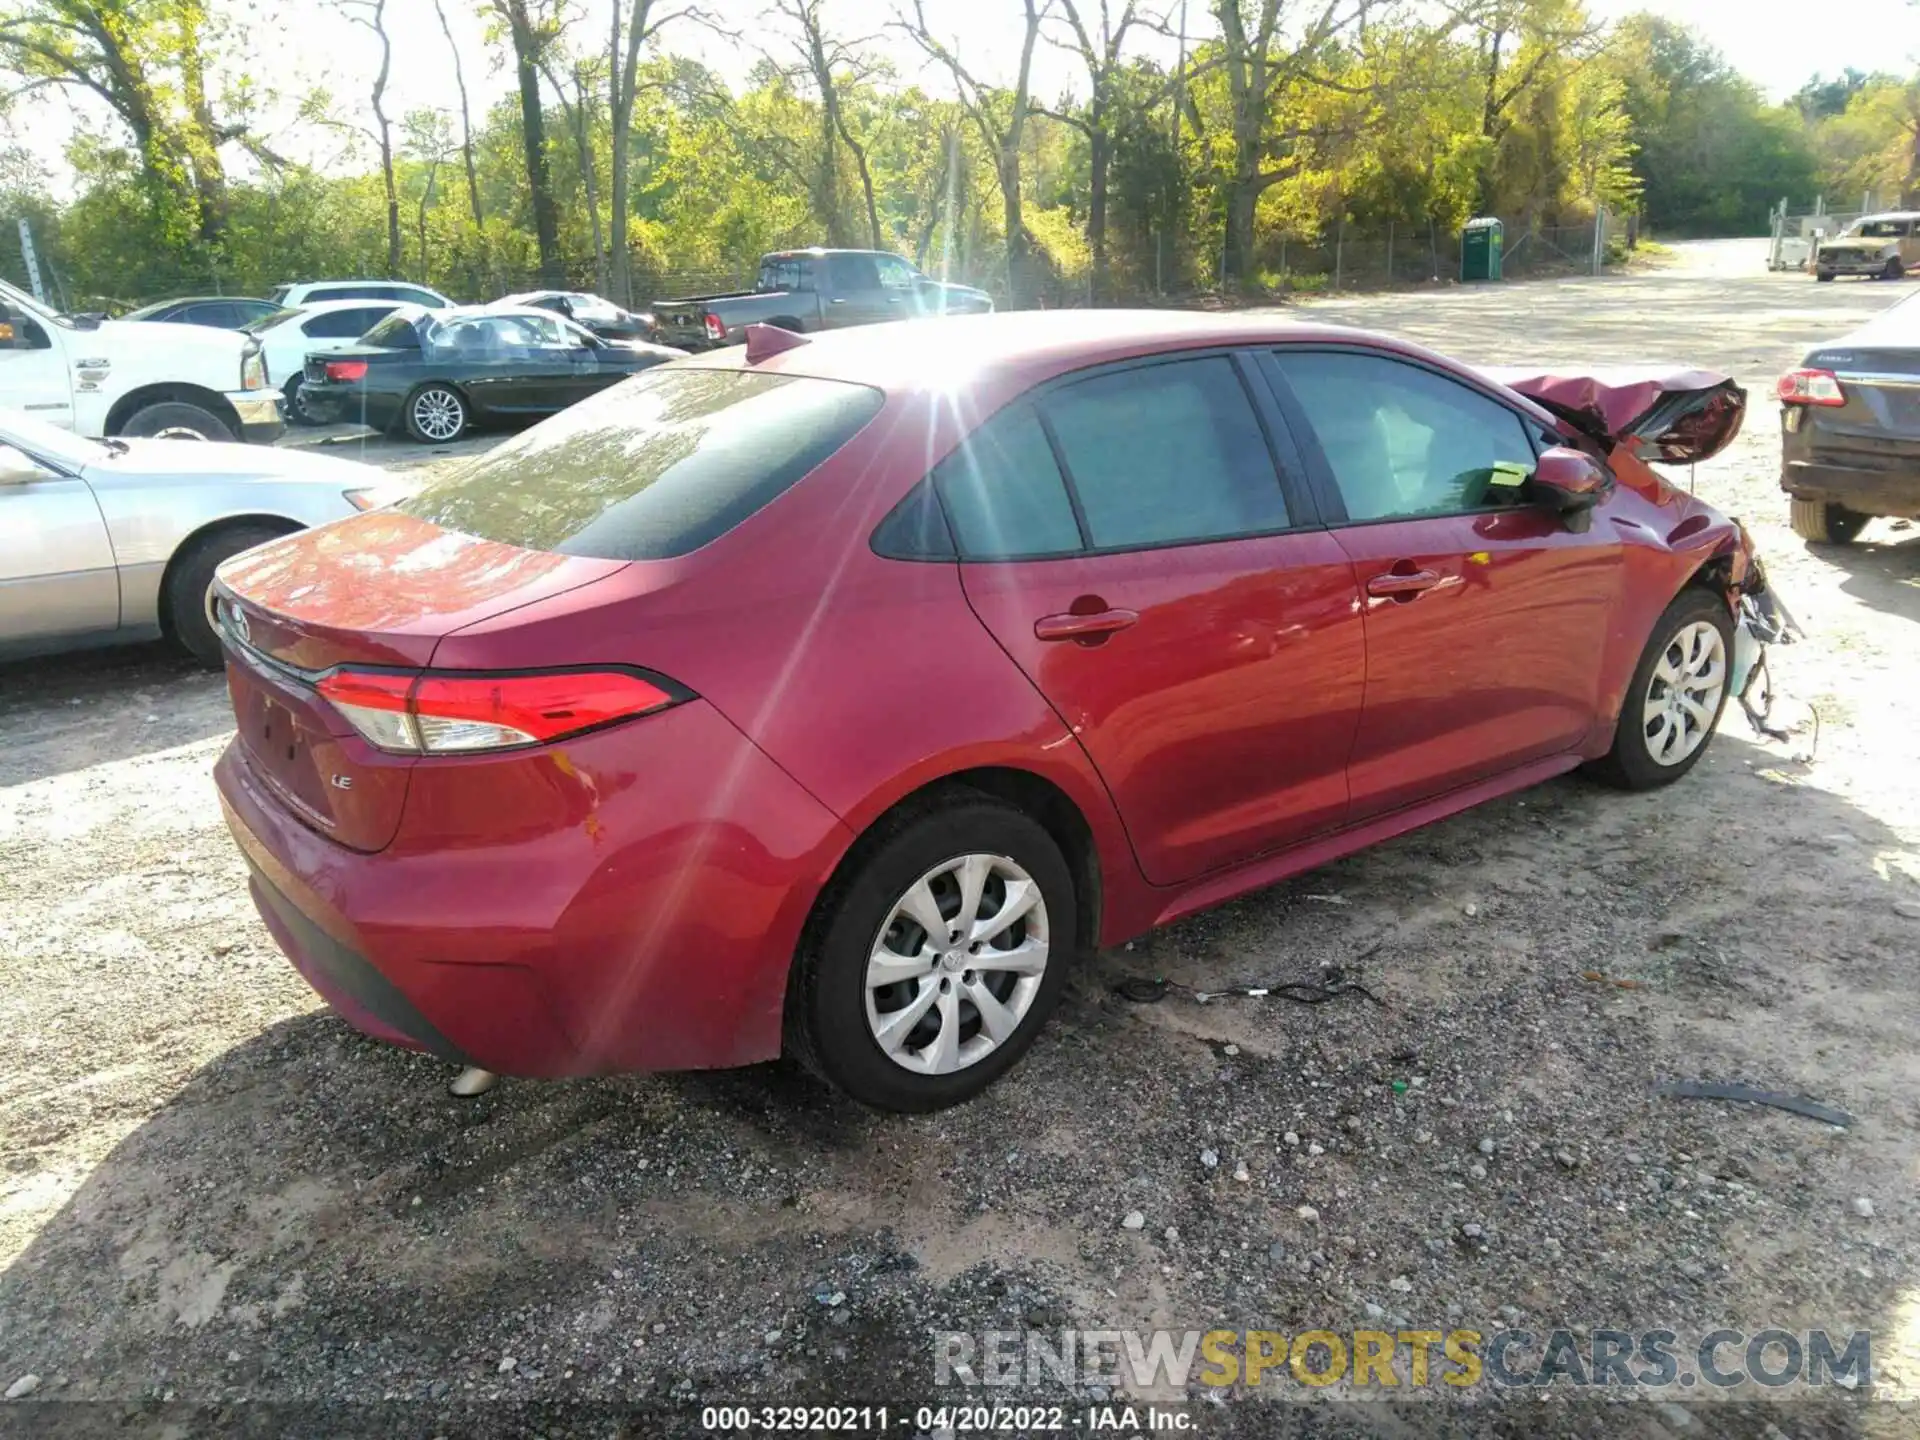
[(655, 467), (396, 332)]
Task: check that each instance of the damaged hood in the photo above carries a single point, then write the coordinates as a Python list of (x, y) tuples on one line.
[(1664, 413)]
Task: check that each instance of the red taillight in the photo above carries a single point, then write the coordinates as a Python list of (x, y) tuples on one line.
[(1810, 387), (716, 327), (346, 369), (415, 713)]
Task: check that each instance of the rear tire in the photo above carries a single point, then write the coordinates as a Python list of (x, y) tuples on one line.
[(176, 420), (297, 411), (1824, 523), (189, 579), (1675, 698), (1894, 270), (836, 1010), (436, 414)]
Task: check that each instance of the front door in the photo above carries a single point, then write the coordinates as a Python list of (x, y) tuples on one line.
[(1485, 616), (57, 573), (33, 371), (1127, 539), (855, 295)]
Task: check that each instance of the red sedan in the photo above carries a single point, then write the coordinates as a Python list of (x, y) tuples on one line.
[(829, 697)]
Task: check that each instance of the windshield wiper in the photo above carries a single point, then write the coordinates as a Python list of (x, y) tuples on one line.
[(115, 446)]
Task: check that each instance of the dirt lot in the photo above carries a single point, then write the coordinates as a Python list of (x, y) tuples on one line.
[(212, 1192)]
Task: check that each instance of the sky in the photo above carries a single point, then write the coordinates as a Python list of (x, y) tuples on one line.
[(1780, 44)]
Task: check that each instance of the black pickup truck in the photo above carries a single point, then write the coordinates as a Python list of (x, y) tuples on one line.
[(808, 290)]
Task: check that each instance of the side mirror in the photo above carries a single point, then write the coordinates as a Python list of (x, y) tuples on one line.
[(1571, 483)]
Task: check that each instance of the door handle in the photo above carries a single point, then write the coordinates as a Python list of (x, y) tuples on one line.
[(1409, 584), (1087, 629)]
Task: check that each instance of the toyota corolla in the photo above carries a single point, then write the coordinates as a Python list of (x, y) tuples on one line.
[(829, 697)]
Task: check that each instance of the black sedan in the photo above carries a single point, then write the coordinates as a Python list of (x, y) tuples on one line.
[(601, 316), (436, 373), (223, 312)]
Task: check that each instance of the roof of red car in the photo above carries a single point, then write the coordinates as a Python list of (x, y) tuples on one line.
[(1028, 344)]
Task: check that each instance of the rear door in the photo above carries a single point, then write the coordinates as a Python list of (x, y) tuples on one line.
[(1485, 615), (1130, 542)]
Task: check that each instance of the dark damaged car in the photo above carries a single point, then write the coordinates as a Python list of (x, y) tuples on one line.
[(1850, 429)]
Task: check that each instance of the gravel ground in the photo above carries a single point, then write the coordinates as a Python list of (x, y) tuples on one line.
[(221, 1210)]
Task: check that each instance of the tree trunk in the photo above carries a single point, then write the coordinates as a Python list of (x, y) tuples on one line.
[(533, 135), (623, 59), (384, 134), (1099, 156), (466, 119), (578, 116), (1243, 199), (1019, 273)]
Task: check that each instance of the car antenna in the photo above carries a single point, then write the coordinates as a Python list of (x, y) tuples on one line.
[(766, 341)]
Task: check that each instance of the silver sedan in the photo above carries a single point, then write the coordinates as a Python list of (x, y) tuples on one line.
[(104, 541)]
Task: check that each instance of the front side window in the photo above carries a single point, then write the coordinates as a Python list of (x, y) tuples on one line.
[(1004, 494), (1166, 453), (657, 466), (895, 273), (1402, 441)]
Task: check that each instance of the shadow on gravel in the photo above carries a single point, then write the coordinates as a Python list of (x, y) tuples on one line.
[(64, 712), (1882, 574), (311, 1219)]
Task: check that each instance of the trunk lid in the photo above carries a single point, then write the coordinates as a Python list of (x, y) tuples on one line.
[(379, 589), (1669, 414), (1881, 383)]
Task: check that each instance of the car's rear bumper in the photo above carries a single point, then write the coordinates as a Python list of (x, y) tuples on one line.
[(628, 901), (1885, 491), (331, 404), (259, 410)]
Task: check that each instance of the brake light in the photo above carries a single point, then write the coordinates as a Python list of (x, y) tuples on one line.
[(1810, 387), (716, 327), (346, 369), (425, 713)]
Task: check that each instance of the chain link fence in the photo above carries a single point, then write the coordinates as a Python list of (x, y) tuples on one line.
[(1339, 258)]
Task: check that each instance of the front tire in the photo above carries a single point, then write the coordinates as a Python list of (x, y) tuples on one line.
[(1824, 523), (436, 414), (176, 420), (189, 579), (1824, 277), (936, 958), (1675, 697), (1894, 270)]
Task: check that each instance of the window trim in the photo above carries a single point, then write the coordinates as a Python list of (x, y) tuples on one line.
[(1302, 512), (1320, 470)]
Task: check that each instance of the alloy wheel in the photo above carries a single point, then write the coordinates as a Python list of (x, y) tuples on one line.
[(957, 964), (438, 414), (1683, 694)]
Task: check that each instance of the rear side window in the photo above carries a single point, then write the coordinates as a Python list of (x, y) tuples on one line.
[(655, 467), (1003, 492), (396, 332), (1161, 454)]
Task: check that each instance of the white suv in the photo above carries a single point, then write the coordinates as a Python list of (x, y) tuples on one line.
[(310, 290)]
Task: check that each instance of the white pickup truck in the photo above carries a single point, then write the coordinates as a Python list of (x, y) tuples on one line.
[(113, 378)]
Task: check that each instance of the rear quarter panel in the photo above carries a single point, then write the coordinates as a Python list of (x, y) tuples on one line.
[(863, 678)]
